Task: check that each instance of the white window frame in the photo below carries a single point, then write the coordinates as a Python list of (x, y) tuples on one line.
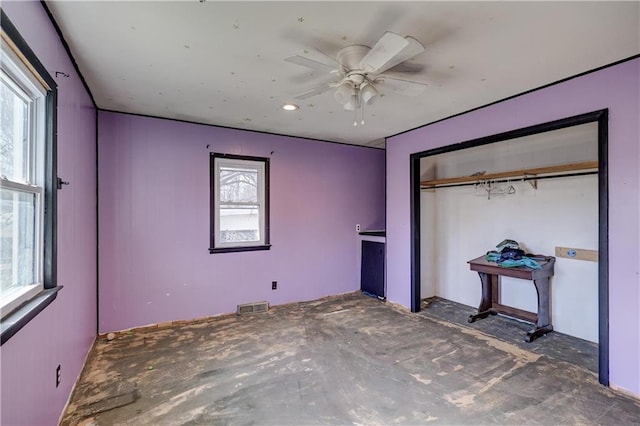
[(23, 81), (261, 166)]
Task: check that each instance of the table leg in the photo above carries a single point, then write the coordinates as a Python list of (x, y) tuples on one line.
[(484, 310), (543, 325)]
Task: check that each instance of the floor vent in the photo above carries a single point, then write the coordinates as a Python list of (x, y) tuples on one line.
[(253, 308)]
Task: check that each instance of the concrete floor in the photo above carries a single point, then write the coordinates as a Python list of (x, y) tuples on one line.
[(554, 345), (347, 359)]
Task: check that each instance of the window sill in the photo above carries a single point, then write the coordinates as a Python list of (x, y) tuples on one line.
[(238, 249), (13, 322)]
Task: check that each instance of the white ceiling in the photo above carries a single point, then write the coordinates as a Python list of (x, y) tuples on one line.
[(223, 62)]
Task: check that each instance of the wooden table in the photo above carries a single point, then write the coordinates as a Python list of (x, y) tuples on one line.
[(490, 274)]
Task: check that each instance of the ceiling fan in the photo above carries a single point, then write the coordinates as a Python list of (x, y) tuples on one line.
[(358, 72)]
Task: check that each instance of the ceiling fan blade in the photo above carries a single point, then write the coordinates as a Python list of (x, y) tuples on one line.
[(319, 62), (413, 48), (385, 49), (312, 92), (408, 68), (309, 77), (401, 86)]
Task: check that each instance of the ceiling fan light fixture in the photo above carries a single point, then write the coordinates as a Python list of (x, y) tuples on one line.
[(354, 102), (343, 93), (349, 106), (368, 93)]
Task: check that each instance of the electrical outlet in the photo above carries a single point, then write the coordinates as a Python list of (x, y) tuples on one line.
[(274, 285), (358, 228), (58, 375)]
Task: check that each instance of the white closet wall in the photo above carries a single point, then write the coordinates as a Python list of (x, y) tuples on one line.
[(459, 224)]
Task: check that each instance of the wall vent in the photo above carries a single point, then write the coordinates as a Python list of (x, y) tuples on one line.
[(253, 308)]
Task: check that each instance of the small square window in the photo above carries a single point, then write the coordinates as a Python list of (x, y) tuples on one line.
[(239, 203)]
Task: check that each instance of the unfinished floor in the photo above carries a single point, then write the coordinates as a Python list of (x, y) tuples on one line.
[(554, 345), (347, 359)]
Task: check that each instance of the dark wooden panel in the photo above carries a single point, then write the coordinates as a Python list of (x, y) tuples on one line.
[(516, 313), (372, 268)]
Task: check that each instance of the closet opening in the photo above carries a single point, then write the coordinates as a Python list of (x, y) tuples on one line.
[(544, 186)]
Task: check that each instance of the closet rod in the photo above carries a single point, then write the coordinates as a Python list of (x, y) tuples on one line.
[(522, 179)]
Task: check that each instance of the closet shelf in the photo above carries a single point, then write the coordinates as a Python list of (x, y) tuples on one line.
[(523, 173)]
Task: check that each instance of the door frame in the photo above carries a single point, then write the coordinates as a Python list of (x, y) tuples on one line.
[(599, 116)]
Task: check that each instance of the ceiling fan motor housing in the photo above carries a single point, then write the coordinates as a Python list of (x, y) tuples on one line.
[(350, 57)]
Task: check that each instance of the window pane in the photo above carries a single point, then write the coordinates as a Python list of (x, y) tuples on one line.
[(239, 223), (238, 185), (17, 239), (14, 142)]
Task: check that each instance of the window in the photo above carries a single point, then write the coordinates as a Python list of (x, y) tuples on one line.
[(27, 190), (239, 203)]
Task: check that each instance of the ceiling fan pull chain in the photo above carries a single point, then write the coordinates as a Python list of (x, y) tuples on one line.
[(355, 117), (362, 103)]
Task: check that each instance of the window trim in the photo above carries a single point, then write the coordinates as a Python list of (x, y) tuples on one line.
[(13, 322), (30, 90), (258, 167), (264, 245)]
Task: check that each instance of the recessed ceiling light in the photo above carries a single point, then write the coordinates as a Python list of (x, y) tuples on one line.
[(290, 107)]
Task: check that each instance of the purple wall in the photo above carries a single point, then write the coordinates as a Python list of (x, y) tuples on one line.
[(64, 332), (154, 220), (616, 88)]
